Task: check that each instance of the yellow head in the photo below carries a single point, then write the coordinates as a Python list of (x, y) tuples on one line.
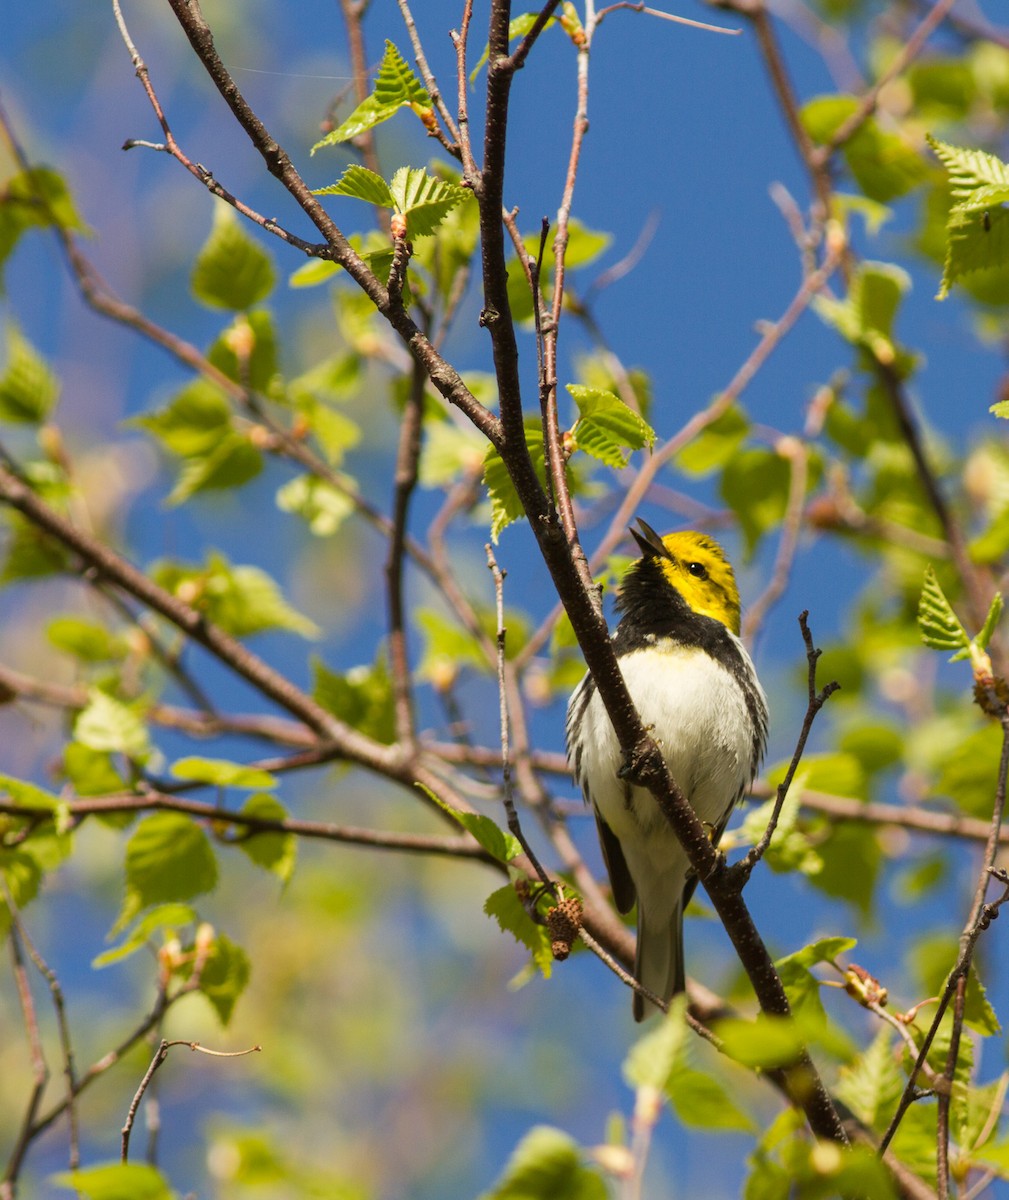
[(696, 566)]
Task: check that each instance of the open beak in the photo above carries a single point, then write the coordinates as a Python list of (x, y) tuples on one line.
[(649, 541)]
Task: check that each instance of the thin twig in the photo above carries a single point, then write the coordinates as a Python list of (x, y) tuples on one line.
[(509, 802), (159, 1057), (815, 701)]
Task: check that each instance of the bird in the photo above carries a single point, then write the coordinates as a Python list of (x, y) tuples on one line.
[(697, 693)]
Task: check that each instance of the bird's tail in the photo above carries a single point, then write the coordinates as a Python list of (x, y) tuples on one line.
[(658, 961)]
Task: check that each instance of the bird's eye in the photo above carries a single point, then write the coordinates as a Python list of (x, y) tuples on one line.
[(698, 570)]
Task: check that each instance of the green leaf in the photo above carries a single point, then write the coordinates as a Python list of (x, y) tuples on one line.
[(991, 621), (938, 624), (247, 353), (233, 461), (242, 600), (28, 389), (424, 200), (547, 1165), (506, 908), (969, 169), (866, 317), (755, 486), (715, 444), (362, 698), (314, 272), (978, 1012), (108, 724), (222, 773), (91, 772), (165, 918), (29, 794), (225, 976), (968, 771), (193, 423), (505, 504), (168, 858), (231, 270), (496, 841), (395, 86), (361, 184), (766, 1042), (23, 876), (317, 502), (116, 1181), (655, 1055), (703, 1102), (518, 27), (86, 640), (872, 1084), (606, 427), (883, 164), (272, 849)]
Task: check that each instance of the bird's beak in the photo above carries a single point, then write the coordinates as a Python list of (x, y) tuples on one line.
[(651, 544)]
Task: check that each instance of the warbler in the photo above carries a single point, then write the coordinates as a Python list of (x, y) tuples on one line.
[(697, 693)]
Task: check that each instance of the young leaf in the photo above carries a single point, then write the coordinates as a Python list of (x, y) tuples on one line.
[(28, 389), (168, 858), (969, 169), (231, 271), (518, 27), (317, 502), (362, 697), (116, 1181), (273, 849), (703, 1102), (395, 86), (222, 773), (166, 917), (654, 1056), (505, 503), (109, 724), (225, 976), (243, 600), (361, 184), (496, 841), (424, 200), (871, 1085), (938, 624), (505, 907), (547, 1165), (606, 427)]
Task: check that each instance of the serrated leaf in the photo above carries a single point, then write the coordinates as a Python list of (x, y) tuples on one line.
[(505, 907), (395, 86), (977, 239), (547, 1165), (978, 1012), (969, 169), (871, 1085), (106, 723), (116, 1181), (497, 842), (424, 200), (273, 849), (606, 427), (28, 389), (232, 270), (505, 504), (168, 858), (193, 423), (360, 184), (170, 917), (991, 621), (222, 773), (938, 624)]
